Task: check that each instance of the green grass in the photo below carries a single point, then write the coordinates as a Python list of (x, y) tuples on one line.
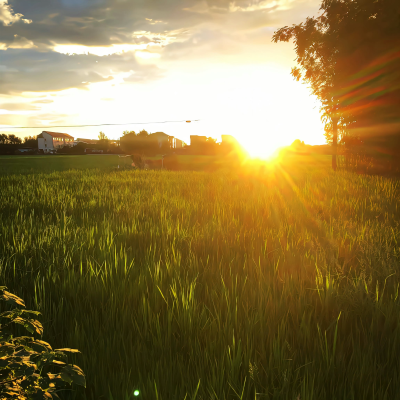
[(281, 281), (53, 163)]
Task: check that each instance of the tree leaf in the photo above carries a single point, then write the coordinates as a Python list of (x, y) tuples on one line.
[(68, 350), (6, 350), (12, 299), (40, 345), (75, 374)]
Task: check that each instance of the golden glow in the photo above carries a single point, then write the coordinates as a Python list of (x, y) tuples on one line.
[(260, 105), (147, 55), (97, 50), (262, 149)]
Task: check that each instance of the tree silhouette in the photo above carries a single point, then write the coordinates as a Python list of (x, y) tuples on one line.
[(3, 138), (143, 133), (124, 133), (317, 51), (349, 56), (12, 139), (102, 136), (369, 69)]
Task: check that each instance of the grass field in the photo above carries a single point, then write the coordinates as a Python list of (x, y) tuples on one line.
[(281, 281)]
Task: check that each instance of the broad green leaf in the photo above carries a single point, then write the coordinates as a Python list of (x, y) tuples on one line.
[(12, 299), (68, 350), (30, 325), (66, 377), (6, 350), (30, 312), (54, 376), (75, 373), (40, 345), (4, 362)]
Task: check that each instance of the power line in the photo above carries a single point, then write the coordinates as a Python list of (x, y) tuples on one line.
[(83, 126)]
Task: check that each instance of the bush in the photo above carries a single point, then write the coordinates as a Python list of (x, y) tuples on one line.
[(24, 359), (138, 160), (154, 164)]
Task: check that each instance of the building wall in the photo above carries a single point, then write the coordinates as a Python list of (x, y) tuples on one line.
[(45, 143)]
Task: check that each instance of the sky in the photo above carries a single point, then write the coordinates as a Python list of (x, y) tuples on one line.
[(81, 62)]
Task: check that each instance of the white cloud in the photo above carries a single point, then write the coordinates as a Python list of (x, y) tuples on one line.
[(21, 43), (7, 15), (259, 5)]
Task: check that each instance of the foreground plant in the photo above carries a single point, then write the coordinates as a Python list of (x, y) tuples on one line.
[(24, 360)]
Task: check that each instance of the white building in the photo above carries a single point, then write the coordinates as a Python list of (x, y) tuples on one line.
[(51, 141)]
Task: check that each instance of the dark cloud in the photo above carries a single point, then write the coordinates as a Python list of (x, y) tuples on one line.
[(187, 28), (32, 70), (106, 22), (97, 23)]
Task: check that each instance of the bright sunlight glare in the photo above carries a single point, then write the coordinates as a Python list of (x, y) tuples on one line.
[(264, 150)]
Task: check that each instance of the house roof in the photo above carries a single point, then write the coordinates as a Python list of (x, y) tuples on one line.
[(59, 135)]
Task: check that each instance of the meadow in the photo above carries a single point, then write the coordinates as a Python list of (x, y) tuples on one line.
[(262, 282)]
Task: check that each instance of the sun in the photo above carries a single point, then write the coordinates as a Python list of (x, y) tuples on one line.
[(267, 151)]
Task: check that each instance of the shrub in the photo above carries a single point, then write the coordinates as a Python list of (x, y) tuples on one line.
[(138, 160), (24, 359)]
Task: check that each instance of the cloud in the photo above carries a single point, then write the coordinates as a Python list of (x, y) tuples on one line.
[(18, 107), (170, 31), (44, 101), (32, 70), (7, 15), (143, 74), (19, 43)]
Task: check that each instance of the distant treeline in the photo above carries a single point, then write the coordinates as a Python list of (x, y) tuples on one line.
[(151, 144), (145, 143), (10, 144)]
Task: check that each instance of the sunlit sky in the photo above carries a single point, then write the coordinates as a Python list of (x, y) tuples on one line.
[(73, 62)]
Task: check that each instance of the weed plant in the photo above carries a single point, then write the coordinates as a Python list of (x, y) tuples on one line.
[(279, 283)]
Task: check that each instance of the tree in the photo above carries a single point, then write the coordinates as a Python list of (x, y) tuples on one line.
[(102, 136), (349, 57), (143, 133), (26, 363), (3, 138), (12, 139), (369, 68), (317, 51), (124, 133), (31, 141)]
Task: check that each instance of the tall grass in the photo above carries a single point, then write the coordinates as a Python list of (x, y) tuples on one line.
[(187, 285)]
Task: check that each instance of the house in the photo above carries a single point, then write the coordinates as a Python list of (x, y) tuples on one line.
[(51, 141)]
